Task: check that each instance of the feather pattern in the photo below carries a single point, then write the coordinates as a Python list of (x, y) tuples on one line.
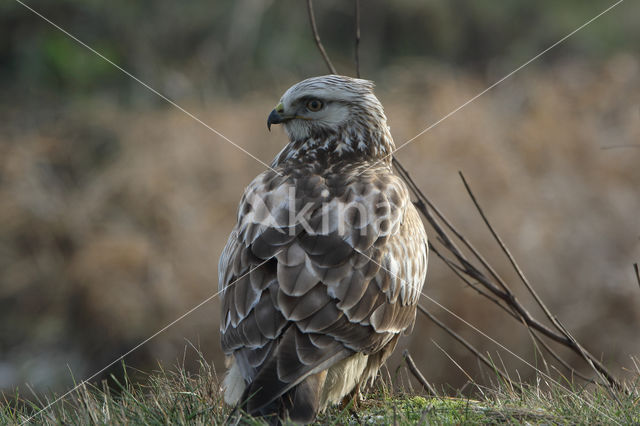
[(326, 262)]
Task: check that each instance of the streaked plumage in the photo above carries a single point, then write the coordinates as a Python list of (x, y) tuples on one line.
[(329, 256)]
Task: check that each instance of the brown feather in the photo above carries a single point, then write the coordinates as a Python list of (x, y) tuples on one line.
[(346, 260)]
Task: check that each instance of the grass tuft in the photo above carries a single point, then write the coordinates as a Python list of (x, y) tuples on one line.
[(182, 397)]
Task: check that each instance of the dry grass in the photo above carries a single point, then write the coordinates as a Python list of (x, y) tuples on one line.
[(113, 220), (195, 398)]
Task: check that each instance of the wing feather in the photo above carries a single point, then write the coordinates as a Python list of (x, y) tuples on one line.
[(296, 280), (344, 274)]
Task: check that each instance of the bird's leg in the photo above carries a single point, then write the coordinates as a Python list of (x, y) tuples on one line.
[(356, 396), (350, 402), (352, 397)]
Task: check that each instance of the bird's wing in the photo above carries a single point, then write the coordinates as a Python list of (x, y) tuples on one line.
[(345, 263)]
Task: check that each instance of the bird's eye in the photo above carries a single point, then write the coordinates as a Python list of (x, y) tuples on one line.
[(314, 105)]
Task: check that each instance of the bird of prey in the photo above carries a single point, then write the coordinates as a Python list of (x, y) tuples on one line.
[(324, 268)]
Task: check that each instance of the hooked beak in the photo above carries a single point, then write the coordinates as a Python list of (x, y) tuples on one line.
[(277, 116)]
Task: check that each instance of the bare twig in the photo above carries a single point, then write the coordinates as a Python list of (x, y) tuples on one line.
[(536, 348), (635, 268), (357, 38), (494, 283), (509, 255), (457, 364), (469, 347), (584, 354), (469, 269), (571, 342), (417, 374), (460, 273), (564, 363), (422, 204), (316, 37)]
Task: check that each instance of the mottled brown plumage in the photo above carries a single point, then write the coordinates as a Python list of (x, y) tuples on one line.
[(326, 263)]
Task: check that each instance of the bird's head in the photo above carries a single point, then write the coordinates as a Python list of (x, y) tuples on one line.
[(323, 106)]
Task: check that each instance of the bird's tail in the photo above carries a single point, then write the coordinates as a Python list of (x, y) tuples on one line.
[(299, 405)]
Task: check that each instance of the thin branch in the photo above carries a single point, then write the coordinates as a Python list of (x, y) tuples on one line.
[(316, 37), (357, 38), (536, 348), (506, 251), (423, 203), (457, 364), (564, 363), (635, 268), (584, 354), (417, 374), (495, 285), (459, 272), (571, 342), (469, 346), (469, 269)]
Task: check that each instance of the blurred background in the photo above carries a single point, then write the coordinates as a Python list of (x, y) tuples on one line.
[(115, 206)]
